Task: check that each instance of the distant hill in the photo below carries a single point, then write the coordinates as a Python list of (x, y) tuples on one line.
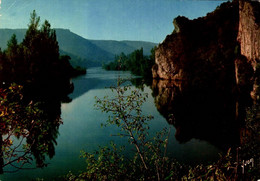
[(84, 52), (117, 47), (5, 35)]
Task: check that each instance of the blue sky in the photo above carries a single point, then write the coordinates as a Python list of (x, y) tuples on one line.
[(147, 20)]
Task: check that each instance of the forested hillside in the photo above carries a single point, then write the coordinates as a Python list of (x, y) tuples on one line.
[(83, 52)]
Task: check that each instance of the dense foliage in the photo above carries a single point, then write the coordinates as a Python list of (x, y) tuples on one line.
[(135, 62)]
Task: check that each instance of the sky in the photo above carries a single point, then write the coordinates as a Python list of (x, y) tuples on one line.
[(146, 20)]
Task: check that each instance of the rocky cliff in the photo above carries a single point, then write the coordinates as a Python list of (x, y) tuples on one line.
[(249, 40), (249, 30), (209, 66), (222, 48), (196, 45)]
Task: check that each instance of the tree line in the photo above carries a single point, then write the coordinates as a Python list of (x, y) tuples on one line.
[(136, 62)]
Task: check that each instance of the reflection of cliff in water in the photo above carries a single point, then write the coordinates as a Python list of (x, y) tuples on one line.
[(208, 115)]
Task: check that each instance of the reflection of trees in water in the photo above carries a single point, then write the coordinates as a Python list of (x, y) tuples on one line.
[(206, 114), (29, 127)]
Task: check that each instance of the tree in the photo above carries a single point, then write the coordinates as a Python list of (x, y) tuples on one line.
[(15, 61), (41, 48), (46, 70), (32, 28), (12, 47)]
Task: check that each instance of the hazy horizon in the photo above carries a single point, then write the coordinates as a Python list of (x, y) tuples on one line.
[(135, 20)]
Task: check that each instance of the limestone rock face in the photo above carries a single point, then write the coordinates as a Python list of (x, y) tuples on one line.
[(249, 30), (168, 58), (222, 48), (197, 46), (206, 69), (249, 39)]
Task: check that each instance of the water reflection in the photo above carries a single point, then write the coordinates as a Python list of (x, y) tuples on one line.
[(196, 115), (97, 78), (30, 120), (205, 114), (81, 129), (39, 129)]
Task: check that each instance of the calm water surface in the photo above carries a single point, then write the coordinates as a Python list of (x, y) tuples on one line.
[(81, 129)]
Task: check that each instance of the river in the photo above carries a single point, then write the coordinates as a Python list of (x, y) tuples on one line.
[(81, 129)]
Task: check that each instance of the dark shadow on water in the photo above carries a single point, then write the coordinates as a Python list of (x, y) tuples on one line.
[(41, 122), (208, 115)]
